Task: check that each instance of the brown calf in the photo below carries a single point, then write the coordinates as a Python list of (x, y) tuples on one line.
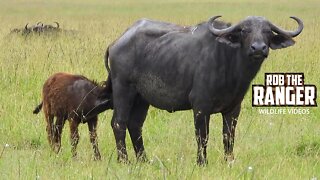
[(77, 99)]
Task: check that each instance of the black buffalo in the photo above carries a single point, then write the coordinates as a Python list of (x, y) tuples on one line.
[(207, 68), (37, 28), (40, 27)]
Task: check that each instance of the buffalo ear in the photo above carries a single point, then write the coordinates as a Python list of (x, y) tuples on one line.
[(232, 40), (280, 41)]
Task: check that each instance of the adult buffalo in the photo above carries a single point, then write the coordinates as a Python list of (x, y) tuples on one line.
[(207, 68)]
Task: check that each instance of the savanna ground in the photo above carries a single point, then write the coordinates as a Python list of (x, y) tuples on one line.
[(266, 147)]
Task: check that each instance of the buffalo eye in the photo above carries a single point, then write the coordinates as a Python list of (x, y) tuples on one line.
[(245, 31), (267, 31), (233, 38)]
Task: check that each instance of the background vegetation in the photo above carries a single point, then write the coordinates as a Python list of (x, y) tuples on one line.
[(267, 146)]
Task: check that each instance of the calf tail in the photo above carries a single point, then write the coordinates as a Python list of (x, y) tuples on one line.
[(38, 108)]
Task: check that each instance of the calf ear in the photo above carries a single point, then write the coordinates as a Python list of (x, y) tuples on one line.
[(280, 41), (231, 39)]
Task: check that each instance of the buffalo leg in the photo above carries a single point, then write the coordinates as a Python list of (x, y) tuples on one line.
[(123, 96), (135, 123), (229, 126), (92, 125), (201, 121), (74, 136)]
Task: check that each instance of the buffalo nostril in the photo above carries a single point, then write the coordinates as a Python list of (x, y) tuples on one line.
[(264, 47), (253, 48)]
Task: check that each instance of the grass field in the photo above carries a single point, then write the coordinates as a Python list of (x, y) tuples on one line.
[(266, 147)]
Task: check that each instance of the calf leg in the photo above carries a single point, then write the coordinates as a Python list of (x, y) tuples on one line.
[(74, 136), (57, 133), (229, 125), (135, 123), (201, 121), (92, 125), (50, 129)]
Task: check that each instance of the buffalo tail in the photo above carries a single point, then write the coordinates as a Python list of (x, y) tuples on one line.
[(106, 57)]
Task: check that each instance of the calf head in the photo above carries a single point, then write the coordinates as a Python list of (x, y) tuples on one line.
[(105, 95), (103, 100), (255, 35)]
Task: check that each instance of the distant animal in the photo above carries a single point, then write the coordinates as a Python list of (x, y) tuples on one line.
[(16, 30), (40, 27), (26, 30), (51, 27), (207, 68), (77, 99), (37, 28)]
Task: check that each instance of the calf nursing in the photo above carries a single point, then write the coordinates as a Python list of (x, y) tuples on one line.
[(76, 99)]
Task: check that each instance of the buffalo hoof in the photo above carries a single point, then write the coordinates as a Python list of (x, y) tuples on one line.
[(97, 157), (142, 158), (56, 148), (229, 158), (75, 158), (202, 162), (123, 159), (74, 154)]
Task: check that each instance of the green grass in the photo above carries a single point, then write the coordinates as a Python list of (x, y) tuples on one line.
[(274, 146)]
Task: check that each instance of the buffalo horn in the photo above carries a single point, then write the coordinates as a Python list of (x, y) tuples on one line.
[(288, 33)]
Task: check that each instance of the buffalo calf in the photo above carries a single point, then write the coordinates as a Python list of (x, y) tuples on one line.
[(76, 99)]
